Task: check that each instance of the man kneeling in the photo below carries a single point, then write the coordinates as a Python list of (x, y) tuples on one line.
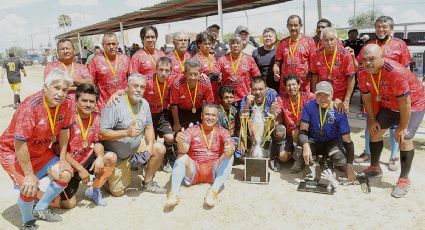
[(205, 156)]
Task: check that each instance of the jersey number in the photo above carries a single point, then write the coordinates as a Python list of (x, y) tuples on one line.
[(11, 66)]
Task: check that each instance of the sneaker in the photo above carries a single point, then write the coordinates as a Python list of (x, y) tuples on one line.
[(274, 165), (373, 171), (46, 215), (172, 200), (403, 186), (211, 198), (362, 158), (167, 167), (153, 187), (30, 225), (95, 195), (394, 164), (297, 166)]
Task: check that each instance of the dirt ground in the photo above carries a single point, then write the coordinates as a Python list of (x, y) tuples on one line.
[(276, 205)]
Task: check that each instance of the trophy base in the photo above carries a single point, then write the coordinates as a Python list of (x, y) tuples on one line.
[(256, 170), (314, 186)]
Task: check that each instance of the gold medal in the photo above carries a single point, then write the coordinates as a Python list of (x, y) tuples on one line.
[(378, 98), (193, 110), (193, 99), (85, 144), (115, 80), (235, 68)]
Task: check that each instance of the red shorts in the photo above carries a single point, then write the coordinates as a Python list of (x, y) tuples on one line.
[(204, 172)]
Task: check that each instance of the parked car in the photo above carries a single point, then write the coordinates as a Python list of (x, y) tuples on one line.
[(32, 59)]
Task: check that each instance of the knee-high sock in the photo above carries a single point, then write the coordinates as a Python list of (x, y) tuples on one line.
[(406, 158), (101, 180), (169, 151), (54, 189), (177, 176), (25, 205), (15, 99), (375, 150), (223, 172), (394, 145), (367, 141)]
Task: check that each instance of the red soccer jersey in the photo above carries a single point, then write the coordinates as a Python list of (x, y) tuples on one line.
[(343, 68), (396, 50), (144, 63), (299, 63), (198, 150), (285, 110), (103, 77), (396, 81), (152, 94), (246, 70), (30, 124), (209, 65), (177, 66), (80, 71), (180, 96), (75, 146)]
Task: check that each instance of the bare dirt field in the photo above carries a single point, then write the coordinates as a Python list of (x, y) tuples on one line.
[(276, 205)]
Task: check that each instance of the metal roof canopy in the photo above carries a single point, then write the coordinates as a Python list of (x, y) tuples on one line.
[(166, 12)]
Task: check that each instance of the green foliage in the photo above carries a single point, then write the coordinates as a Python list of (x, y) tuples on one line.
[(19, 52), (365, 19), (64, 21)]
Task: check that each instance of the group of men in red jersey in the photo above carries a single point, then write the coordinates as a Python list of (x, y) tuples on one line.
[(61, 136)]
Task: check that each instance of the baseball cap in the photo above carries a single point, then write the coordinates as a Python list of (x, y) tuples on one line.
[(241, 28), (324, 87), (214, 25)]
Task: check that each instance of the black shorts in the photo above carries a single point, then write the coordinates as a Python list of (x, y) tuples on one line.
[(74, 183), (388, 118), (186, 117), (161, 123), (288, 145), (332, 149)]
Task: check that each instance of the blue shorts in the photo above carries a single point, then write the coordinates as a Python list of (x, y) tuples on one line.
[(43, 171)]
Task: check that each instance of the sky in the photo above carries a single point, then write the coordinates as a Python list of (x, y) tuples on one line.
[(32, 23)]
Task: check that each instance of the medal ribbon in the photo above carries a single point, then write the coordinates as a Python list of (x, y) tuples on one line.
[(154, 53), (292, 50), (161, 95), (322, 121), (115, 69), (208, 143), (131, 107), (84, 132), (333, 59), (49, 115), (296, 113), (66, 69), (235, 70), (193, 99), (181, 63), (376, 87)]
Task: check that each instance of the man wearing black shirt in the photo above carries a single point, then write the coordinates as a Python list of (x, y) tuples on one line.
[(264, 58), (13, 66), (353, 42)]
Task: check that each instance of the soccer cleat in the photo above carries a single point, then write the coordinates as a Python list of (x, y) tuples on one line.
[(96, 195), (30, 225), (394, 164), (166, 167), (373, 171), (211, 198), (172, 200), (153, 187), (46, 215), (403, 186), (362, 158)]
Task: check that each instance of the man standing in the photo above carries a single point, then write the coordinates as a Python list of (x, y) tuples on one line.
[(402, 102), (334, 64), (179, 55), (13, 67), (322, 24), (109, 70), (293, 55), (205, 156), (188, 94), (219, 49), (97, 51), (84, 55), (26, 147), (354, 42), (126, 129), (144, 60), (248, 47)]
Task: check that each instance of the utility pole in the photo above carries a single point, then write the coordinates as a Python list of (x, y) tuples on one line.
[(319, 9), (32, 44), (354, 17), (50, 44), (304, 16), (247, 21)]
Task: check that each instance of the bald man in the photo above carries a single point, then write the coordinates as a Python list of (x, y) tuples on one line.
[(392, 95)]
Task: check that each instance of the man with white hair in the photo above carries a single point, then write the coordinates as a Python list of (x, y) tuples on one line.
[(179, 55), (126, 129), (334, 64), (248, 46), (26, 151)]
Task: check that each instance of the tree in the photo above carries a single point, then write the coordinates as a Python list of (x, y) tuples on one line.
[(64, 21), (365, 19), (19, 52)]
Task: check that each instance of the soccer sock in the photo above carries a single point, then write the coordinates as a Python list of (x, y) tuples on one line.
[(107, 172), (177, 176), (394, 145), (223, 172), (375, 150), (406, 158), (25, 205), (367, 141), (19, 99), (54, 189), (15, 99), (169, 153)]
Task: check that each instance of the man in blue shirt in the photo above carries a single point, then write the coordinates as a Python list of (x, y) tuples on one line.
[(322, 128)]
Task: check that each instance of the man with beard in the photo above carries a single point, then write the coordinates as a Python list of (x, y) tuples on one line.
[(247, 45)]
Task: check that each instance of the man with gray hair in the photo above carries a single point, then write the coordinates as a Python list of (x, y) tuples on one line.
[(248, 45), (126, 129), (179, 55), (26, 151)]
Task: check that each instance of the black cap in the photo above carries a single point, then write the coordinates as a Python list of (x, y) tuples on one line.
[(214, 25)]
